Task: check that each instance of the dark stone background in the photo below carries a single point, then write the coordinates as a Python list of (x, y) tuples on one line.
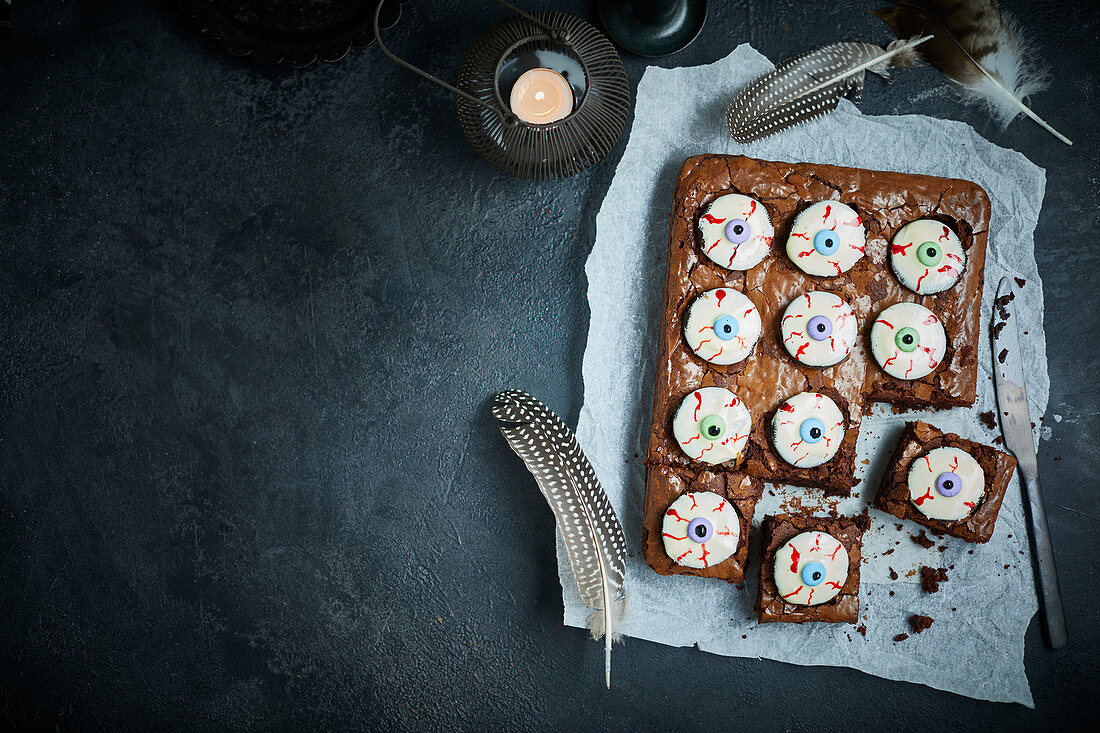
[(252, 322)]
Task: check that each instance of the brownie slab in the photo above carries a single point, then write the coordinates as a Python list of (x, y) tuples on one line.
[(778, 529), (664, 485), (885, 202), (917, 439)]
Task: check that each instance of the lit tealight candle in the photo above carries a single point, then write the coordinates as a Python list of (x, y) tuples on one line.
[(541, 96)]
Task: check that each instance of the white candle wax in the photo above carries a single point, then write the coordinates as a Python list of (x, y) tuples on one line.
[(541, 96)]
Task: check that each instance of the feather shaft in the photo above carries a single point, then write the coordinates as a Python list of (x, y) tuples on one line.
[(866, 64)]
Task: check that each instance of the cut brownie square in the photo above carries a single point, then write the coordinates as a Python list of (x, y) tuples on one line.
[(781, 529), (665, 484), (917, 439), (762, 460)]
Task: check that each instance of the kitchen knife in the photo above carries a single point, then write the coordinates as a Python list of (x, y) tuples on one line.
[(1008, 375)]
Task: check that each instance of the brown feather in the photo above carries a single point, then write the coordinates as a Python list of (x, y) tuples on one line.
[(974, 45)]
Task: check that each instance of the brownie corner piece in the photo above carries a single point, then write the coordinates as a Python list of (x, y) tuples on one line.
[(779, 529), (665, 484), (917, 439)]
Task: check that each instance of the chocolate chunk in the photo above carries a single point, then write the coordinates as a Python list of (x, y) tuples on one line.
[(919, 623), (922, 539), (930, 578), (988, 419), (901, 637)]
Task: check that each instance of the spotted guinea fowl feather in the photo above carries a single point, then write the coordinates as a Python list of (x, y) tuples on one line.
[(590, 531), (811, 85)]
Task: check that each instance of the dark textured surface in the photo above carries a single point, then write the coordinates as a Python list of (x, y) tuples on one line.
[(253, 319)]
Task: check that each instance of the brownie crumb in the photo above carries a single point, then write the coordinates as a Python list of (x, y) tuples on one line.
[(1002, 356), (997, 327), (1001, 303), (900, 527), (891, 592), (744, 636), (941, 548), (922, 539), (1006, 567), (901, 637), (930, 578), (919, 623), (1020, 281), (999, 439), (862, 629), (988, 419), (893, 574), (889, 552)]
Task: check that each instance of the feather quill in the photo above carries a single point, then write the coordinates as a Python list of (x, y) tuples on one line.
[(591, 532), (979, 49), (811, 85)]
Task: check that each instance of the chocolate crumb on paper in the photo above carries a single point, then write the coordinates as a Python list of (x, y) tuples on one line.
[(862, 629), (893, 574), (901, 637), (922, 539), (1002, 356), (919, 623), (988, 419), (930, 578), (1020, 281)]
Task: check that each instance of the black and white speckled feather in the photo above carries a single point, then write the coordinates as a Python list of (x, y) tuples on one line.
[(591, 532), (811, 85)]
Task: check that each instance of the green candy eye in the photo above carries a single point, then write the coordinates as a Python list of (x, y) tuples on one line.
[(907, 339), (712, 427), (929, 254)]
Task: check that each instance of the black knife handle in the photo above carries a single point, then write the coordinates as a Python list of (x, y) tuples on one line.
[(1050, 595)]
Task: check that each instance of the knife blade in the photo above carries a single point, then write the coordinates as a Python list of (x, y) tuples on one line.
[(1015, 417)]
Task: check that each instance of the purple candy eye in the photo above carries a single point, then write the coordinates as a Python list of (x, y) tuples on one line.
[(700, 530), (948, 484), (737, 230), (819, 328)]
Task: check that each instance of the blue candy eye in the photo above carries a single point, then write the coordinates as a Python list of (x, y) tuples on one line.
[(826, 242), (737, 230), (811, 430), (813, 573), (726, 327)]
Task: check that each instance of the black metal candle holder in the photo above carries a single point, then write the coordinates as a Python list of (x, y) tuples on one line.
[(563, 43)]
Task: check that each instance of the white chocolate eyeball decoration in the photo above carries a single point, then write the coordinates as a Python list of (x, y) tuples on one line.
[(737, 231), (712, 425), (810, 568), (819, 329), (700, 529), (946, 483), (807, 429), (826, 239), (927, 256), (908, 341), (722, 326)]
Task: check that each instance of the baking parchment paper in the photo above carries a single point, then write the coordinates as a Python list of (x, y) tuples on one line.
[(976, 649)]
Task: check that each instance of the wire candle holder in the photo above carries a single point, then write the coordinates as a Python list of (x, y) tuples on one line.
[(564, 44)]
